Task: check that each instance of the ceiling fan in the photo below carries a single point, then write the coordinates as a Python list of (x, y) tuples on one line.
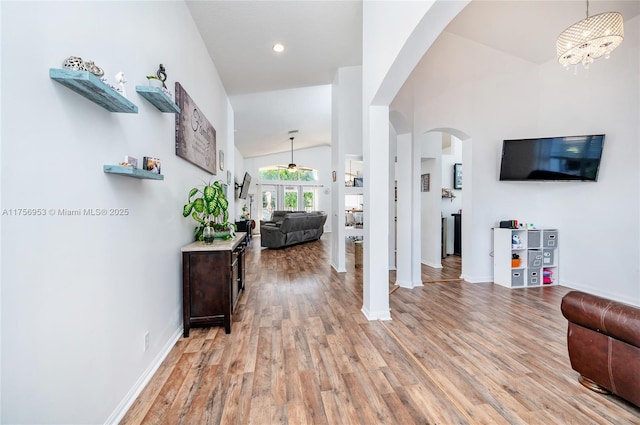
[(292, 165)]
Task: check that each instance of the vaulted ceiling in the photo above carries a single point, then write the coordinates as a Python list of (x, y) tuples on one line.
[(272, 94)]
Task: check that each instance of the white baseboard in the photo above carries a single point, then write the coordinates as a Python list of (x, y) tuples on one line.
[(144, 379)]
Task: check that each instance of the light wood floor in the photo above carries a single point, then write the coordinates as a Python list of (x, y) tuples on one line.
[(301, 352)]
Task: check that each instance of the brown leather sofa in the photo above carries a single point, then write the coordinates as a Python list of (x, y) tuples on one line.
[(603, 339)]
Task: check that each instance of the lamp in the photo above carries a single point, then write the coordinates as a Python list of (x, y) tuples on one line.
[(590, 38), (292, 166)]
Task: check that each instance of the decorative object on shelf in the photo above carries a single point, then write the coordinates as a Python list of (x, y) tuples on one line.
[(158, 81), (162, 74), (151, 164), (120, 79), (154, 81), (208, 206), (590, 38), (160, 77), (457, 176), (228, 178), (221, 159), (195, 136), (425, 182), (448, 193), (516, 243), (94, 69), (76, 63), (333, 175), (515, 260), (97, 90), (131, 161)]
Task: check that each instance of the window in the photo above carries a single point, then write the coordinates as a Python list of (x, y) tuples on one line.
[(281, 174)]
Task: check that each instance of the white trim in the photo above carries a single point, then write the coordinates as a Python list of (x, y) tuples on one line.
[(144, 379), (486, 279), (434, 265), (378, 315), (409, 284), (337, 269)]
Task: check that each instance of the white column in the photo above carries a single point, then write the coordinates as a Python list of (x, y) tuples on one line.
[(405, 219), (375, 297), (416, 213), (408, 250)]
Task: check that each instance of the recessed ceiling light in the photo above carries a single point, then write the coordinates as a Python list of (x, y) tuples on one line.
[(278, 48)]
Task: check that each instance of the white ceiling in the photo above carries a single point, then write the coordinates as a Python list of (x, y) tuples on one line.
[(272, 94)]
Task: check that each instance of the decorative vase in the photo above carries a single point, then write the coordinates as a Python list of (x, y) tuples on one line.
[(208, 235)]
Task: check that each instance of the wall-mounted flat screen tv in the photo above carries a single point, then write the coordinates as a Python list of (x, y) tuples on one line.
[(574, 158), (244, 189)]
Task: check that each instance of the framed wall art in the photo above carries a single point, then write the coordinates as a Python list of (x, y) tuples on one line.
[(195, 136), (457, 176), (425, 182)]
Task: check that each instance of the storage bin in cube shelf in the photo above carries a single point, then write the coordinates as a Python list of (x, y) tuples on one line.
[(517, 278), (534, 277), (550, 239), (534, 259), (533, 238), (548, 256)]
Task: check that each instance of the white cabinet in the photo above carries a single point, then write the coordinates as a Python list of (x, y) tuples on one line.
[(537, 250)]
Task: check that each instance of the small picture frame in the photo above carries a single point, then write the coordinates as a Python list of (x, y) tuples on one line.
[(457, 176), (357, 182), (425, 182), (151, 164)]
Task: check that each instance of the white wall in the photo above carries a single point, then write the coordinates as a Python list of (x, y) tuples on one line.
[(492, 96), (79, 292)]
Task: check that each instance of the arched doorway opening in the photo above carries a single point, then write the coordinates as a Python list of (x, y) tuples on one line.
[(444, 158)]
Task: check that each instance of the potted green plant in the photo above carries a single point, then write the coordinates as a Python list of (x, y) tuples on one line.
[(208, 206)]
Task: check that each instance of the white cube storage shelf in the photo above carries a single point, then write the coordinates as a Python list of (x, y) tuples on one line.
[(538, 252)]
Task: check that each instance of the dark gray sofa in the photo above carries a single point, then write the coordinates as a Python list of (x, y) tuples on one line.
[(288, 228)]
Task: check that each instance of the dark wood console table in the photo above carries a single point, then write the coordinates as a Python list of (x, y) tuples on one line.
[(212, 279)]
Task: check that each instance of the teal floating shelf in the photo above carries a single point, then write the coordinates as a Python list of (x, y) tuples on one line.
[(158, 98), (91, 87), (132, 172)]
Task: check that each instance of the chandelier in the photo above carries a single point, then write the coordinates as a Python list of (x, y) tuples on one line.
[(590, 38)]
